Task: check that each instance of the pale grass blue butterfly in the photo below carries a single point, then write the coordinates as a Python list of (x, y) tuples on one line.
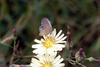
[(45, 27)]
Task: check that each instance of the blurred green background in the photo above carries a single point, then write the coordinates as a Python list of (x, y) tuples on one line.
[(83, 17)]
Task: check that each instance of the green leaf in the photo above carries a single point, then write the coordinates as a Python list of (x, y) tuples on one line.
[(4, 48)]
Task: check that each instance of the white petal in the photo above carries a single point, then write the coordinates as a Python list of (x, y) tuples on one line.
[(60, 60), (40, 51), (42, 40), (58, 33), (57, 59), (35, 62), (54, 33), (37, 46), (44, 37), (60, 36), (59, 47), (37, 41), (60, 42), (63, 38)]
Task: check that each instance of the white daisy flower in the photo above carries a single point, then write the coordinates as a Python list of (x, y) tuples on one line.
[(47, 61), (49, 44)]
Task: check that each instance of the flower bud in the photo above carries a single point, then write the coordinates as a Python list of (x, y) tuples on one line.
[(80, 55)]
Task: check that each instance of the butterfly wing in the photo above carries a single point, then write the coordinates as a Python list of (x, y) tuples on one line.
[(45, 27)]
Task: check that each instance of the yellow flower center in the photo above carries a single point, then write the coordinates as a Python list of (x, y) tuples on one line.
[(47, 65), (49, 42)]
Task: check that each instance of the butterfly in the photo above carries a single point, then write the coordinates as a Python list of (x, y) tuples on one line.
[(45, 27)]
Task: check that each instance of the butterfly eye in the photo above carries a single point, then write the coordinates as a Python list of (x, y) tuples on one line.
[(45, 27)]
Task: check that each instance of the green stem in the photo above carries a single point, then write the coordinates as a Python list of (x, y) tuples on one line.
[(13, 54)]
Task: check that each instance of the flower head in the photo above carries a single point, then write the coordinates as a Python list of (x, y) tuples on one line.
[(47, 61), (50, 43)]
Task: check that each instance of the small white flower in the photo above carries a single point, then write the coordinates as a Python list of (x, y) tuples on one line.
[(47, 61), (51, 43)]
